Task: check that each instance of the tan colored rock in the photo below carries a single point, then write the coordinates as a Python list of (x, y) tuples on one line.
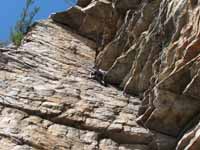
[(49, 102), (97, 21), (192, 88), (124, 5), (169, 116), (73, 17), (190, 140), (83, 3), (149, 49)]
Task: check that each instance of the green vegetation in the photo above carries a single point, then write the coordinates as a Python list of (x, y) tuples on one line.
[(16, 37), (23, 24)]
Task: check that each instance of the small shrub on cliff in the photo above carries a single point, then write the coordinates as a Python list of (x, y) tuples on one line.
[(24, 22), (16, 37)]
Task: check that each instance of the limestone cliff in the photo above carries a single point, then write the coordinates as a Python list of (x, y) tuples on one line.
[(149, 49)]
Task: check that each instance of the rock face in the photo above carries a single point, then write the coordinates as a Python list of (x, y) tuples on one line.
[(148, 49), (48, 100)]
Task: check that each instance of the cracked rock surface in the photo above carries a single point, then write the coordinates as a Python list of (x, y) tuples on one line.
[(48, 101), (149, 52), (153, 53)]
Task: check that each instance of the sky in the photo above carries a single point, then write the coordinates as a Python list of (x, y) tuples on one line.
[(10, 11)]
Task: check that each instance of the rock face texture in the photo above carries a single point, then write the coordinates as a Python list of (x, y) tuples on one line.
[(148, 49), (48, 100)]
